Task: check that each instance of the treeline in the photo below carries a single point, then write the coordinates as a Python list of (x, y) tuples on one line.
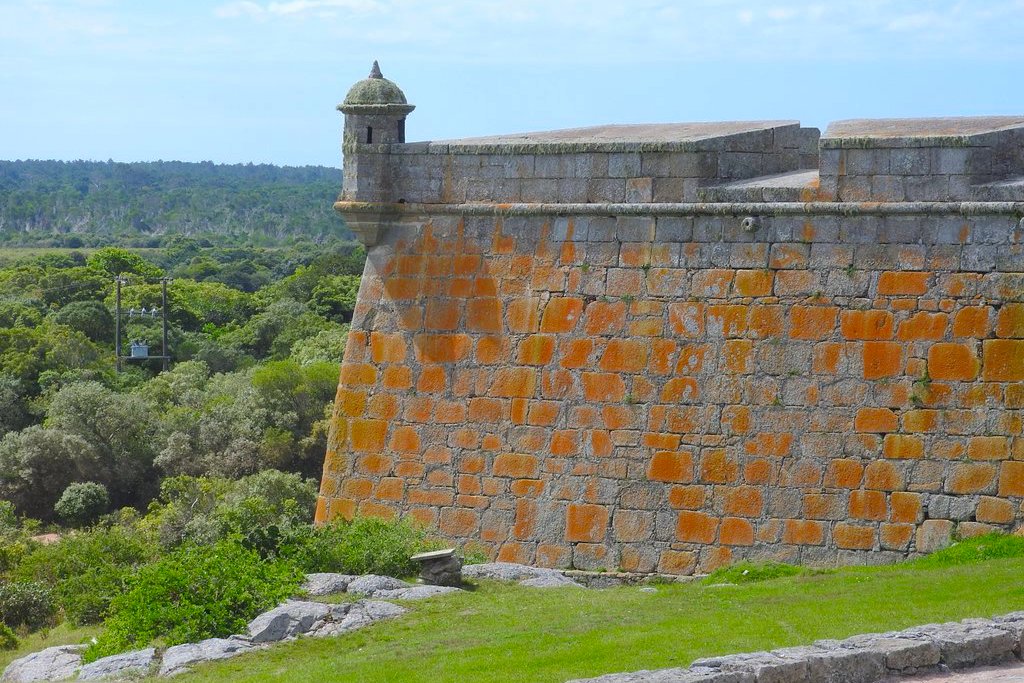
[(86, 203), (253, 378)]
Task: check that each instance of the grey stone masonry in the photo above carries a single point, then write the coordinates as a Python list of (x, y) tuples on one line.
[(951, 159), (859, 659), (887, 160)]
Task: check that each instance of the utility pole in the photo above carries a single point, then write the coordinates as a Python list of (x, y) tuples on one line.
[(143, 356), (163, 311), (117, 320)]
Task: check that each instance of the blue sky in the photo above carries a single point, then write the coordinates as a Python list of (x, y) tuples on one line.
[(257, 80)]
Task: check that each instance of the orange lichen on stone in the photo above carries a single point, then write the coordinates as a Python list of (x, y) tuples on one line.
[(537, 349), (923, 326), (586, 523), (516, 465), (882, 359), (671, 466), (949, 361), (878, 420), (1003, 360), (972, 321), (803, 532), (736, 531), (870, 505), (870, 324), (903, 282), (902, 447), (753, 283), (624, 355), (812, 322), (1010, 321), (696, 527), (561, 314)]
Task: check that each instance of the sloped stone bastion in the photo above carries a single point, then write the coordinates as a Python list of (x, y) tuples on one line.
[(665, 347)]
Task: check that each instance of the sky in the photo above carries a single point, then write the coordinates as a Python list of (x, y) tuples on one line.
[(234, 81)]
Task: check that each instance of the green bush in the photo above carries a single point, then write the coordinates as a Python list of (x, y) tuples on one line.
[(82, 503), (26, 603), (8, 639), (206, 509), (366, 545), (87, 569), (194, 593)]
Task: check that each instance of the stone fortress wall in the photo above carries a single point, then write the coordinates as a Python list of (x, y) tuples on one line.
[(662, 348)]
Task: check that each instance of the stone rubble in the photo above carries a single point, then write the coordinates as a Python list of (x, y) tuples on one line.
[(859, 659)]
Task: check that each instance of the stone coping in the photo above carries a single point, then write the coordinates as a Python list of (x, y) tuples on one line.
[(661, 137), (959, 131), (865, 658), (687, 209)]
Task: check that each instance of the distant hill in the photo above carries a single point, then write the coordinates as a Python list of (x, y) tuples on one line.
[(79, 203)]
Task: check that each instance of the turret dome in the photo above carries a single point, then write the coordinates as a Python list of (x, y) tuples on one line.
[(375, 92)]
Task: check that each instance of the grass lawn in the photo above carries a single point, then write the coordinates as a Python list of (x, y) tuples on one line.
[(504, 632)]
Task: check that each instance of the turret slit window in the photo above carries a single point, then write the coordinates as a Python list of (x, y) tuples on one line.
[(401, 130), (369, 135)]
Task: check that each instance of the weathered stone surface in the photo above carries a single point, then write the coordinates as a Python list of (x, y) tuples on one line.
[(371, 583), (765, 667), (127, 665), (319, 584), (356, 615), (553, 580), (178, 658), (505, 571), (292, 618), (52, 664), (905, 654), (415, 592), (690, 675), (969, 644)]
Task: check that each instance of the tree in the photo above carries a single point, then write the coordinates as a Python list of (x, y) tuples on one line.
[(325, 347), (91, 318), (13, 409), (119, 428), (82, 503), (37, 464), (334, 296), (116, 261)]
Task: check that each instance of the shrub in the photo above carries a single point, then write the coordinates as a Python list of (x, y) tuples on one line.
[(87, 569), (206, 509), (194, 593), (26, 603), (8, 639), (366, 545), (82, 503)]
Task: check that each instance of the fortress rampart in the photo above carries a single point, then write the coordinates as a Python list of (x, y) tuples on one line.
[(665, 347)]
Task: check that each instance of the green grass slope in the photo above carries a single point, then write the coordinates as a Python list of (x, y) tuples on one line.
[(505, 632)]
